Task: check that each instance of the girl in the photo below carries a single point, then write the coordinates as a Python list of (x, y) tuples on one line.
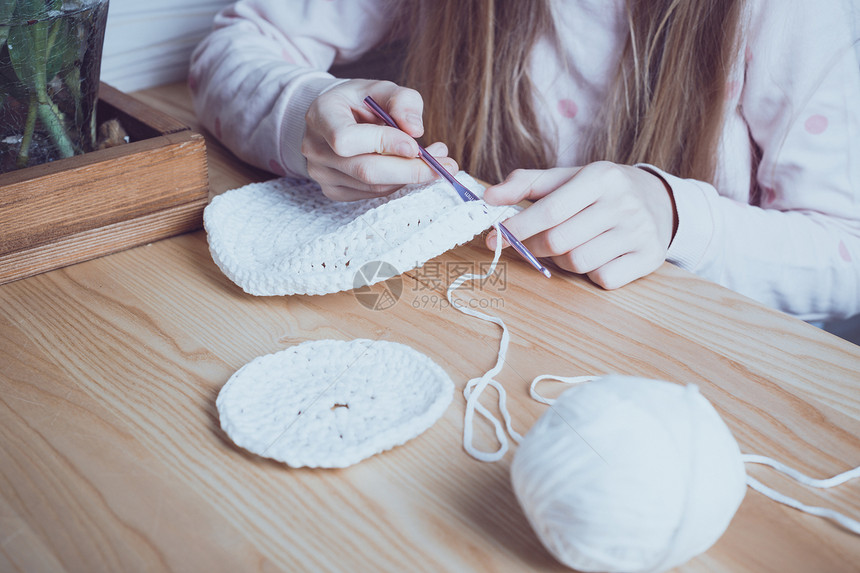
[(720, 135)]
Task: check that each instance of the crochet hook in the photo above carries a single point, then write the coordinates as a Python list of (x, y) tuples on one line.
[(462, 191)]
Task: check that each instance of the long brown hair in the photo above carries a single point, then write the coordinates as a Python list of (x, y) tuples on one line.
[(468, 58), (665, 107)]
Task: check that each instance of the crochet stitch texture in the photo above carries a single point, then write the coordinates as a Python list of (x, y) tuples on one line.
[(285, 237), (331, 403)]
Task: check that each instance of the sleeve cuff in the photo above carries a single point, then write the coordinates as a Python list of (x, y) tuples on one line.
[(293, 123), (695, 218)]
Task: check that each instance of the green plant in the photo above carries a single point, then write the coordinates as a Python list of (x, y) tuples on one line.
[(50, 55)]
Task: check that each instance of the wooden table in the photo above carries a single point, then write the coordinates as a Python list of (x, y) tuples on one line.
[(112, 457)]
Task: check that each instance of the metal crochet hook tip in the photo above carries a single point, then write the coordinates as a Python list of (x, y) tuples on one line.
[(461, 190)]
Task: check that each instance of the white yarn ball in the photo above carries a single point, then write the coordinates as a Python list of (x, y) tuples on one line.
[(625, 474)]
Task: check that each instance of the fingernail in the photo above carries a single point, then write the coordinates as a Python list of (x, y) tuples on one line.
[(491, 240), (434, 149), (405, 149)]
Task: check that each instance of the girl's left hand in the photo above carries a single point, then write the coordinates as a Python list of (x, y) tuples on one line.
[(611, 222)]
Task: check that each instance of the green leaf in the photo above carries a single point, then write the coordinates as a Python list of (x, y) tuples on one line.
[(27, 46), (62, 47), (28, 10), (7, 8), (9, 84)]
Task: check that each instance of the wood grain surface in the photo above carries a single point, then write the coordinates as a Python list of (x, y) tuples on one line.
[(112, 457), (39, 211)]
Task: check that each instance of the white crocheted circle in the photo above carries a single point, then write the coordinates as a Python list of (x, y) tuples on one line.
[(331, 403), (285, 237)]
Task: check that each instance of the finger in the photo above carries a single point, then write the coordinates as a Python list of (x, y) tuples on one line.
[(377, 174), (329, 178), (345, 102), (449, 164), (589, 223), (374, 170), (318, 153), (333, 118), (440, 152), (568, 199), (437, 149), (528, 184), (348, 194), (595, 253), (625, 269), (491, 239), (404, 105), (362, 138)]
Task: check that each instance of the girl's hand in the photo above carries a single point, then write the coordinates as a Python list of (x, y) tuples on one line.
[(352, 156), (611, 222)]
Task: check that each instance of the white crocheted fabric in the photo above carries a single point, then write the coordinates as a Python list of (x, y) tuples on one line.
[(285, 237), (331, 403)]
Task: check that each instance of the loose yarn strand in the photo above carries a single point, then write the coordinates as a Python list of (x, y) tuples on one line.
[(851, 525), (565, 379), (476, 386), (838, 479)]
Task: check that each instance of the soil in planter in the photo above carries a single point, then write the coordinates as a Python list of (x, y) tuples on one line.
[(61, 84)]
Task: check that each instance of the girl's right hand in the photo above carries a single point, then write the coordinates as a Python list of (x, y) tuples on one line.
[(353, 156)]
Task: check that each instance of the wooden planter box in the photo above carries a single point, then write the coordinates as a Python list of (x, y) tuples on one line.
[(83, 207)]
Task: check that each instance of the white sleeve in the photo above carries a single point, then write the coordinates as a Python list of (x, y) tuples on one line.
[(797, 246), (254, 76)]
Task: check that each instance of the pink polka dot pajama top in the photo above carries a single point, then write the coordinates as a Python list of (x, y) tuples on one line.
[(785, 232)]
